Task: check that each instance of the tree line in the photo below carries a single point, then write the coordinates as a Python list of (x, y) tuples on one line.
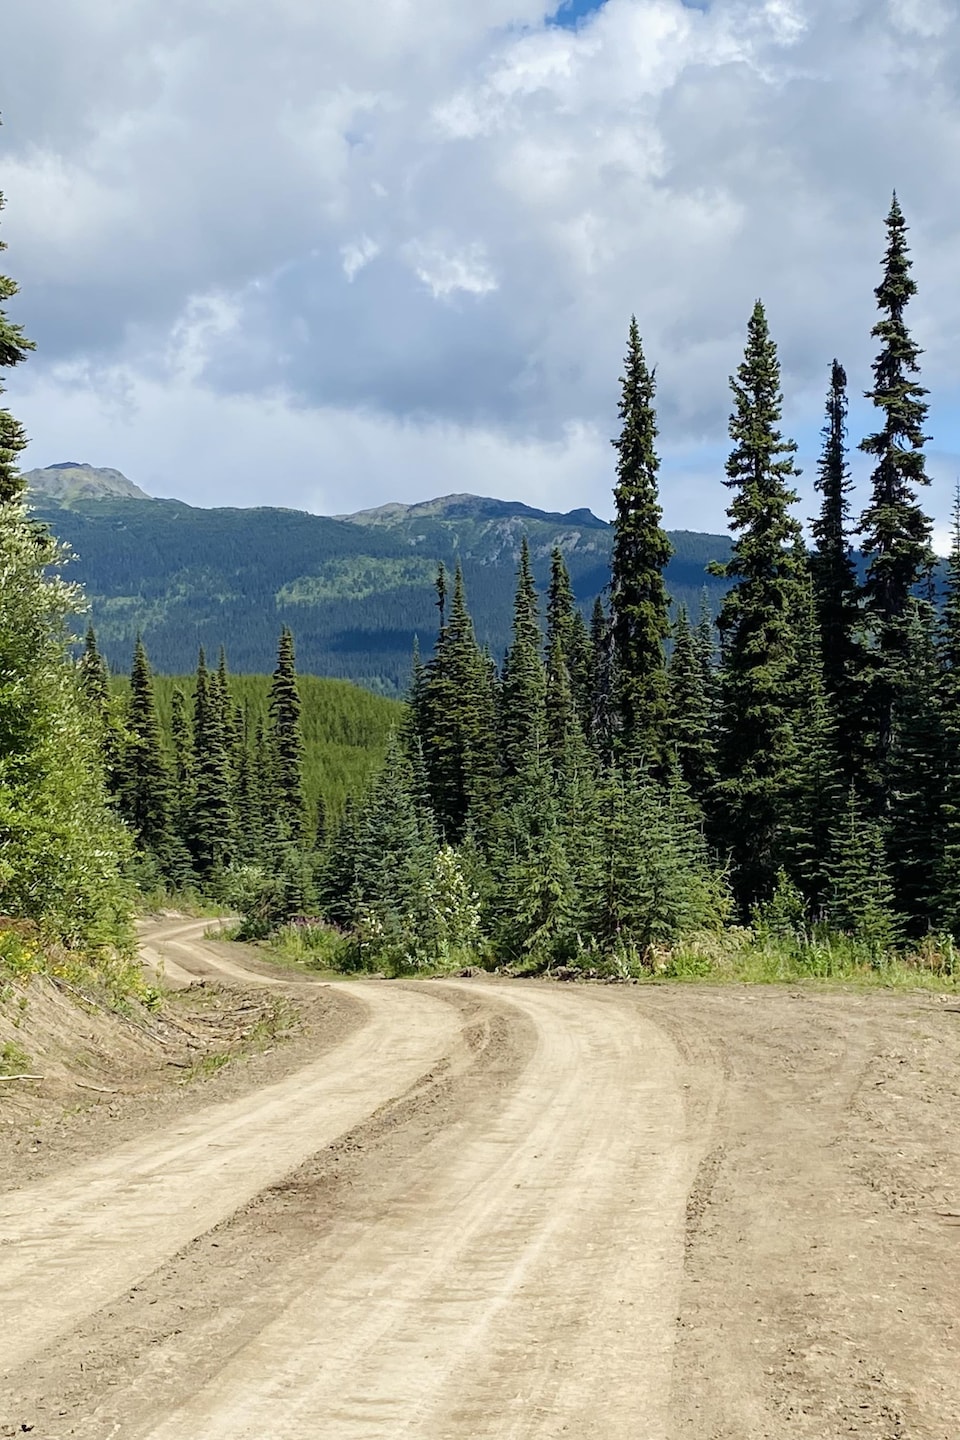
[(613, 786), (610, 786)]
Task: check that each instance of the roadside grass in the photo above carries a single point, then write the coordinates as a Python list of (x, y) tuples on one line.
[(14, 1060), (190, 902), (749, 957), (735, 956)]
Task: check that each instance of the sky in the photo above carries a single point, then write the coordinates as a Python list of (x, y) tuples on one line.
[(330, 256)]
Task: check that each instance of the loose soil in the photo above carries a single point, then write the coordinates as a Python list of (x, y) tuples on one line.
[(467, 1209)]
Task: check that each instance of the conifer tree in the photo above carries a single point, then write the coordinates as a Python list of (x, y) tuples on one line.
[(249, 802), (561, 605), (757, 751), (691, 717), (395, 866), (603, 685), (454, 708), (523, 687), (211, 836), (568, 638), (948, 867), (915, 773), (895, 530), (652, 878), (321, 826), (860, 899), (94, 677), (182, 742), (641, 550), (836, 585), (562, 725), (145, 794), (286, 741), (107, 708), (817, 800), (14, 348)]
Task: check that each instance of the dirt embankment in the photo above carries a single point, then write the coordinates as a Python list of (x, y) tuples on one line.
[(482, 1209)]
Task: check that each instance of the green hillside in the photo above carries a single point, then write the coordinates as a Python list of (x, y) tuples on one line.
[(355, 590), (345, 728)]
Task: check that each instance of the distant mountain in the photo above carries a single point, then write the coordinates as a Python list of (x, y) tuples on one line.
[(69, 481), (354, 589)]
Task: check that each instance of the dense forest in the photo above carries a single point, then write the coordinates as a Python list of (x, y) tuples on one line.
[(618, 786), (355, 593)]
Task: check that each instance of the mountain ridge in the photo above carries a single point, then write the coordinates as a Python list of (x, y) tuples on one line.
[(356, 591)]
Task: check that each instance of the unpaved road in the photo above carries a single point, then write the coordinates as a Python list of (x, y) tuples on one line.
[(514, 1210)]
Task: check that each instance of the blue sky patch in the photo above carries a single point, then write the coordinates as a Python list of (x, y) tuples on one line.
[(572, 12)]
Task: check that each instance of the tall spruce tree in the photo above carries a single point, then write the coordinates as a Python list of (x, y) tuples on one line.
[(836, 586), (947, 879), (453, 707), (523, 685), (14, 348), (286, 740), (145, 791), (757, 751), (895, 530), (641, 550), (211, 837)]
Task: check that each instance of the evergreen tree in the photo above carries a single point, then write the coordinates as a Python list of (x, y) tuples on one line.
[(249, 801), (836, 586), (915, 773), (895, 530), (561, 605), (14, 348), (145, 792), (211, 837), (395, 868), (286, 740), (453, 708), (107, 709), (182, 741), (94, 677), (340, 874), (652, 877), (860, 896), (641, 550), (757, 750), (817, 800), (948, 867), (564, 737), (603, 685), (691, 712), (523, 687), (321, 826)]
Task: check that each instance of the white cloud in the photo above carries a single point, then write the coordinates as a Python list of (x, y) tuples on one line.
[(192, 185), (444, 271), (357, 254)]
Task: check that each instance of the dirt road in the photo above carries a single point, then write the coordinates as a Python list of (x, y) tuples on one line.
[(515, 1210)]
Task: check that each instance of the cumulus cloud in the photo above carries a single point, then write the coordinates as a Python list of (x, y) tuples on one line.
[(429, 223)]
